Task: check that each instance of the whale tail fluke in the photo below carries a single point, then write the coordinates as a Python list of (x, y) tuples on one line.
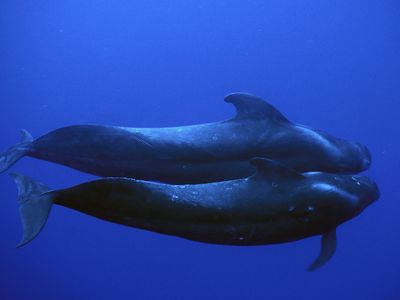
[(12, 155), (34, 206)]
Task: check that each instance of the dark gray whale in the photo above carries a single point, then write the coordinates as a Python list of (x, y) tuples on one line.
[(275, 205), (198, 153)]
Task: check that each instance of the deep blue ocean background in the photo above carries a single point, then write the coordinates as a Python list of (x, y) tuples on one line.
[(332, 65)]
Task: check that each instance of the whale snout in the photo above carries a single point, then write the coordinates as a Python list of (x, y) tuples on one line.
[(354, 158), (368, 191), (365, 157), (376, 193)]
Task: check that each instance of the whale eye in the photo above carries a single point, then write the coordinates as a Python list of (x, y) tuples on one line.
[(310, 208)]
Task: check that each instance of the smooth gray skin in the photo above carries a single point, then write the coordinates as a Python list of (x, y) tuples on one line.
[(275, 205), (196, 154)]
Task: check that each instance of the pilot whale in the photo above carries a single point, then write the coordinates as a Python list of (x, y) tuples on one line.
[(198, 153), (275, 205)]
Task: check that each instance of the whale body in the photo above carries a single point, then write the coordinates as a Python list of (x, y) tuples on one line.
[(275, 205), (198, 153)]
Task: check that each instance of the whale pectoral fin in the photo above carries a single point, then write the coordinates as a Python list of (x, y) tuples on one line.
[(274, 171), (328, 248), (251, 107)]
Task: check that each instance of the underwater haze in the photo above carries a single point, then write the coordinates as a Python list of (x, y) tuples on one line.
[(332, 65)]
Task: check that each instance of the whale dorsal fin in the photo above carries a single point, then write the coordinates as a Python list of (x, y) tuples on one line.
[(328, 248), (273, 170), (251, 107)]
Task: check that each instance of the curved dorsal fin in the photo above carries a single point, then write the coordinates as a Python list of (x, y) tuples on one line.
[(273, 170), (252, 107)]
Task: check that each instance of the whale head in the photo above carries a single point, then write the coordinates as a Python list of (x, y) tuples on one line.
[(338, 198), (320, 151)]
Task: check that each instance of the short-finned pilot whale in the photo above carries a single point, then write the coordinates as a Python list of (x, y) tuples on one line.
[(275, 205), (198, 153)]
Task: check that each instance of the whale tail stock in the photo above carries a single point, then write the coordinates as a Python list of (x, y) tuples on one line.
[(12, 155), (35, 203)]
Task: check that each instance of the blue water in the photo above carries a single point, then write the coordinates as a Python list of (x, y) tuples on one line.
[(333, 65)]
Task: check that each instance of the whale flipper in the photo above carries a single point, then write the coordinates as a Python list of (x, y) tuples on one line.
[(12, 155), (34, 206), (251, 107), (328, 248)]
